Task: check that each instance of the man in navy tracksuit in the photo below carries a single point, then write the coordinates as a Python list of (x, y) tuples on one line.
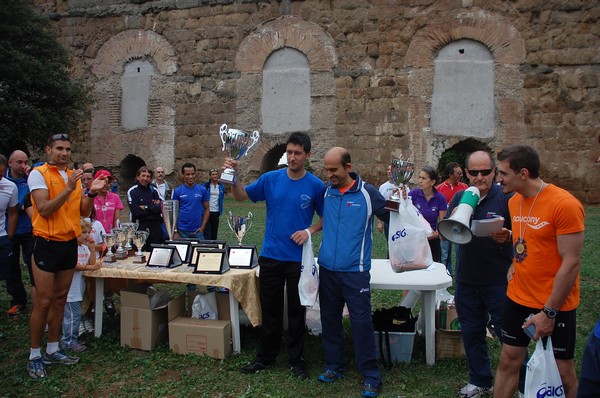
[(345, 261), (146, 206)]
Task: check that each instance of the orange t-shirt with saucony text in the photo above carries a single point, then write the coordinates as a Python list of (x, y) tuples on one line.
[(555, 212)]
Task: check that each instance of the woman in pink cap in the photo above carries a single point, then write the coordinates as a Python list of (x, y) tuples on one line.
[(107, 204)]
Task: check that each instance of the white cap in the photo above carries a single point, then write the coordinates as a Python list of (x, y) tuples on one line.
[(283, 160)]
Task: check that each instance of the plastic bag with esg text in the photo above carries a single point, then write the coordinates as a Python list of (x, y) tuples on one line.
[(407, 242), (205, 306)]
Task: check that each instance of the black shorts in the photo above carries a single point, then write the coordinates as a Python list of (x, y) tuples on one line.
[(563, 336), (54, 256)]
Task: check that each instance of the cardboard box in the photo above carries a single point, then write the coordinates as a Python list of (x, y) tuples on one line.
[(202, 337), (141, 327), (449, 344), (401, 346)]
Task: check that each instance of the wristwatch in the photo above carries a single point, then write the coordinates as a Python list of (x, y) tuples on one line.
[(92, 195), (550, 313)]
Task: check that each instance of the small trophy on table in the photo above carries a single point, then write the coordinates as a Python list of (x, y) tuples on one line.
[(241, 256), (402, 172), (121, 235), (130, 228), (236, 143), (109, 240), (139, 239), (240, 225)]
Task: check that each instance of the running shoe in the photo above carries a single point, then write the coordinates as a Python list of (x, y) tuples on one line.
[(35, 367), (330, 376), (15, 310), (369, 391), (59, 358), (473, 391)]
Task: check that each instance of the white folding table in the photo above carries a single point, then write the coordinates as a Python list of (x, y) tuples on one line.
[(427, 281)]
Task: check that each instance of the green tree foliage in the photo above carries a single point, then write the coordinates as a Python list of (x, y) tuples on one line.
[(37, 95)]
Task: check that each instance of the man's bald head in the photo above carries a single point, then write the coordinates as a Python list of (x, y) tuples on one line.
[(337, 153), (18, 163)]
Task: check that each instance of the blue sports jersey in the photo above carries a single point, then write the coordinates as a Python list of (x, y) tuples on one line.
[(291, 205), (191, 206)]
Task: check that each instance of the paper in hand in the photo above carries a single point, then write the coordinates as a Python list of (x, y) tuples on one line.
[(487, 226)]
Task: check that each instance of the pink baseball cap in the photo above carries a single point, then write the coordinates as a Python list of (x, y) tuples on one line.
[(104, 174)]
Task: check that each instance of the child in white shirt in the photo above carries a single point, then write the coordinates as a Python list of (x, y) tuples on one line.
[(86, 261)]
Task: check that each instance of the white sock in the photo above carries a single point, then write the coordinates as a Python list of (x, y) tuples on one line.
[(51, 348), (35, 353)]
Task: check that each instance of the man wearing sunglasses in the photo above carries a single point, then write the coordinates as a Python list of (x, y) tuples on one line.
[(58, 204), (481, 276)]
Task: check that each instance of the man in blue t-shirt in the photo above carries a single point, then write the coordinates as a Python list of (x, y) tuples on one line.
[(193, 205), (22, 240), (292, 196)]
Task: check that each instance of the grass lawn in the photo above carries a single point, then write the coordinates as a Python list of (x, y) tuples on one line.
[(107, 369)]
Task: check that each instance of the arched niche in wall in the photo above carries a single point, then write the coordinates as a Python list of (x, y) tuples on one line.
[(135, 108), (507, 48), (463, 90), (287, 33)]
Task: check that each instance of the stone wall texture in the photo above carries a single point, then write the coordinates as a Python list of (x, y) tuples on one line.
[(372, 69)]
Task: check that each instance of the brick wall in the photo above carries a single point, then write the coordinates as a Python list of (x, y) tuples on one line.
[(372, 76)]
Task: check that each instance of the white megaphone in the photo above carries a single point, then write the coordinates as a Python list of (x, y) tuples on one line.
[(457, 229)]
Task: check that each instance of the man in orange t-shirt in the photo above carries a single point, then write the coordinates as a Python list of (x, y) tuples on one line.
[(547, 227)]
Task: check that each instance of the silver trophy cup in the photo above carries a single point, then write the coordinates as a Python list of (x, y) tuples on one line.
[(139, 239), (121, 235), (130, 228), (170, 210), (240, 225), (109, 240), (236, 143), (402, 172)]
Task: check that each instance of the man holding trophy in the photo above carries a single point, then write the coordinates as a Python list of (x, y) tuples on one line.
[(292, 196)]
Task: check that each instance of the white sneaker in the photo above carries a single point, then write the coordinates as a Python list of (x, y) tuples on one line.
[(473, 391), (88, 325), (81, 329)]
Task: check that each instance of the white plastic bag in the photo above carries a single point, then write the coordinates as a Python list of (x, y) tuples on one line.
[(308, 286), (313, 319), (407, 242), (542, 378), (205, 306)]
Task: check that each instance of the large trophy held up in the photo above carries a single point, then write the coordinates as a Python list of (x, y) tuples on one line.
[(402, 172), (237, 144)]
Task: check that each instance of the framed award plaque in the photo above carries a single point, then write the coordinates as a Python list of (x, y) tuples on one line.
[(211, 261), (242, 256), (220, 243), (164, 256), (194, 253), (183, 247)]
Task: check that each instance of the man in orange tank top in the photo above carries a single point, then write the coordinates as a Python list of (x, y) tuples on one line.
[(58, 203), (547, 227)]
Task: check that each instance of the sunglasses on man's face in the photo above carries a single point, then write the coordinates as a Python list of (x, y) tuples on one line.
[(60, 137), (484, 172)]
